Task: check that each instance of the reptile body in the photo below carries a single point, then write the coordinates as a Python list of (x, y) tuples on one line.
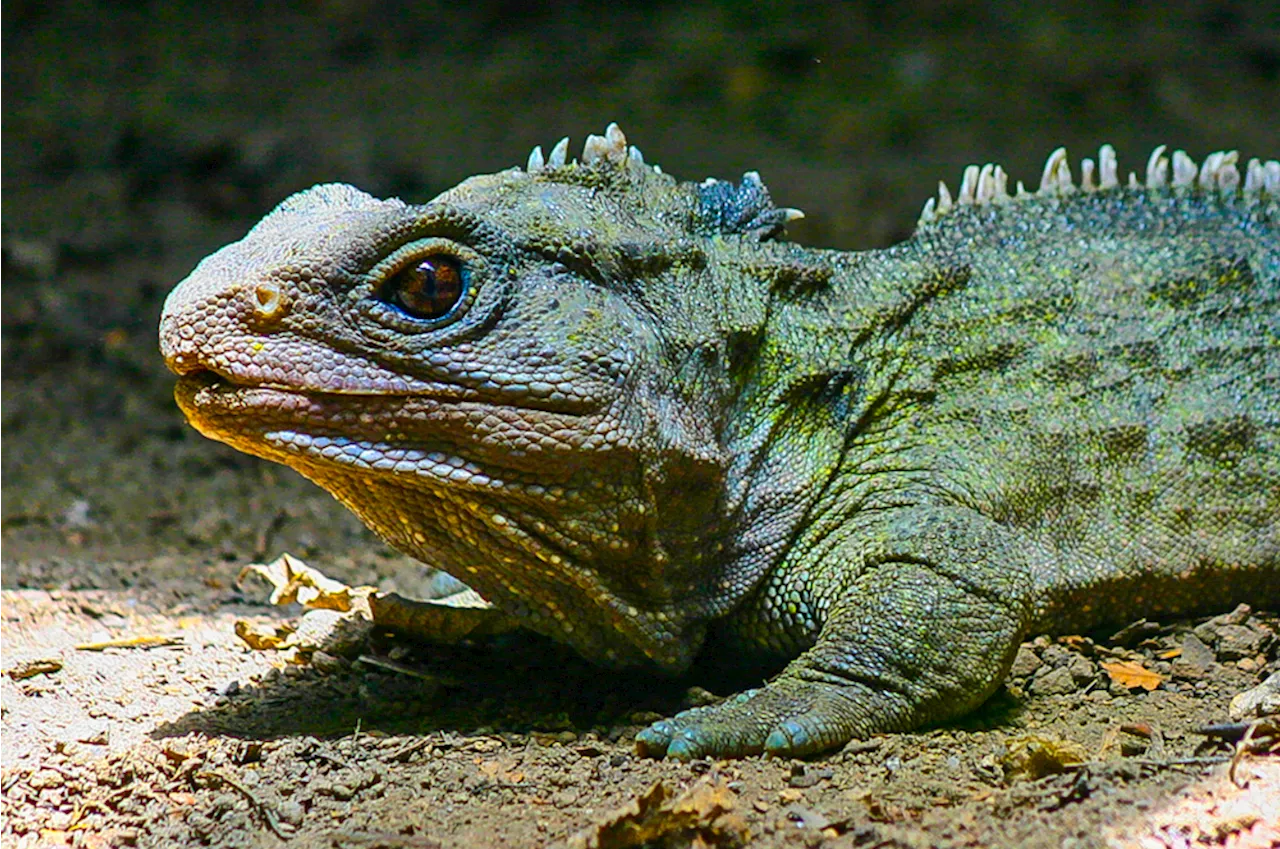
[(637, 420)]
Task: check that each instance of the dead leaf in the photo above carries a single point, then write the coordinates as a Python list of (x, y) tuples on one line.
[(701, 816), (31, 668), (495, 771), (1128, 673), (263, 638), (293, 580), (1034, 757), (443, 620)]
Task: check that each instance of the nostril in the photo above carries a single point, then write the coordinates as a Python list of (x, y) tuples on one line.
[(268, 300)]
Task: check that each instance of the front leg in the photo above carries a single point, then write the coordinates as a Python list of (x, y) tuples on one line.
[(924, 629)]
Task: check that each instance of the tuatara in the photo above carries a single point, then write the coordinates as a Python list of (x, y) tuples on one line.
[(631, 415)]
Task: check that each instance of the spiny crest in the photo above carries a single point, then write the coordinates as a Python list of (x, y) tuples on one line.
[(723, 207), (1218, 174), (597, 152)]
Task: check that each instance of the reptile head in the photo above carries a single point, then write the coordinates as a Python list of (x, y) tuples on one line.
[(500, 382)]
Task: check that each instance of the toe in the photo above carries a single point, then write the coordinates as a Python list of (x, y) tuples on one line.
[(654, 741), (791, 721)]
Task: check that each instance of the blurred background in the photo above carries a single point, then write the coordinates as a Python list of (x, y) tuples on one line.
[(139, 137)]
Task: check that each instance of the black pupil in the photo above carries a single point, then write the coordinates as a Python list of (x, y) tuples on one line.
[(427, 289)]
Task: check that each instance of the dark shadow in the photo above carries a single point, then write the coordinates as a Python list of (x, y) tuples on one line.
[(1000, 711), (517, 682), (512, 683)]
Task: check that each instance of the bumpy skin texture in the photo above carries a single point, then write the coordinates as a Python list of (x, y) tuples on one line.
[(649, 419)]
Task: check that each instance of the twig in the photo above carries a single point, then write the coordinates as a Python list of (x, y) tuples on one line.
[(1245, 746), (403, 754), (405, 669), (152, 641), (263, 810)]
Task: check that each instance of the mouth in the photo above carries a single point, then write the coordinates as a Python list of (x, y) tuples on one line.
[(201, 387), (457, 445), (219, 406), (285, 425), (200, 375), (208, 389), (236, 413), (318, 437), (212, 380), (203, 390)]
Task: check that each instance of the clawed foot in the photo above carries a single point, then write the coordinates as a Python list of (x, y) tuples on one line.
[(788, 718), (925, 632)]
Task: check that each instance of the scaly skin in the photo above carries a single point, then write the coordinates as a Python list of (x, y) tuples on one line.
[(648, 419)]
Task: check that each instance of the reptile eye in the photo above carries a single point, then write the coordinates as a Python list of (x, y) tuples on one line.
[(428, 288)]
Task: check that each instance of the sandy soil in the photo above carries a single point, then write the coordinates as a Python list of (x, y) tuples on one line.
[(137, 140), (201, 741)]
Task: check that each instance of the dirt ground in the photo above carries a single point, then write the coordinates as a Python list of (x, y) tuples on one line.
[(138, 138)]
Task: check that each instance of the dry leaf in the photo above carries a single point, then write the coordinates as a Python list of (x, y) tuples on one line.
[(263, 638), (1133, 675), (293, 580), (32, 668), (701, 816), (494, 771), (442, 620), (1034, 757)]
